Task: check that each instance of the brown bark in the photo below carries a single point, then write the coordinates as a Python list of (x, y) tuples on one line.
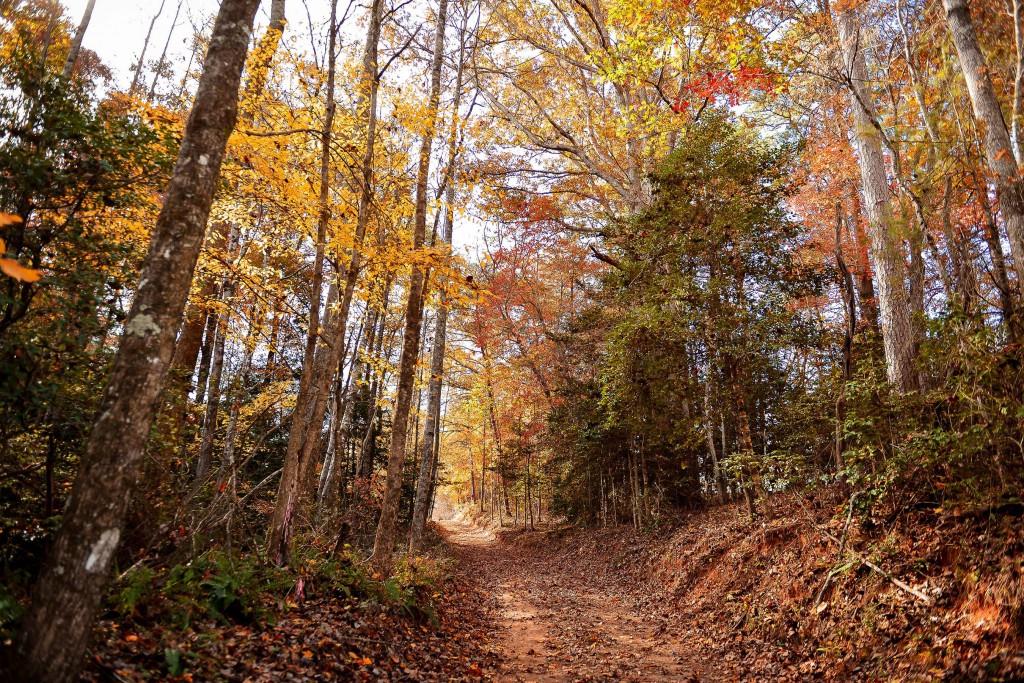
[(987, 112), (311, 403), (386, 528), (67, 596)]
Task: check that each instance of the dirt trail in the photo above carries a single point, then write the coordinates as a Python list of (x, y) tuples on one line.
[(559, 621)]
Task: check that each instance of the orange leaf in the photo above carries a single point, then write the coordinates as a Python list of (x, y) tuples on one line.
[(19, 272), (9, 219)]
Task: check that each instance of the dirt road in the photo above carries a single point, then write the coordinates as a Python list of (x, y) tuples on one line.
[(558, 620)]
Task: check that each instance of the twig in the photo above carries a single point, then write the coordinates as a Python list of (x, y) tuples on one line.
[(842, 547)]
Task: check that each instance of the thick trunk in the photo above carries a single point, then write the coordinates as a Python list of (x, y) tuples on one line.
[(67, 596), (386, 528), (76, 42), (998, 147), (311, 403), (887, 256)]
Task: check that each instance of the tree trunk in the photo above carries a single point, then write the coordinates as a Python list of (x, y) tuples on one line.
[(386, 528), (998, 147), (311, 403), (1017, 111), (145, 46), (68, 593), (212, 405), (897, 328), (76, 42), (163, 55)]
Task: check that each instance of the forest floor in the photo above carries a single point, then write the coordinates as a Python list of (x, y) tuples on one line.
[(709, 597)]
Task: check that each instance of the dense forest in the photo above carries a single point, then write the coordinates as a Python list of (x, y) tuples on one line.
[(430, 339)]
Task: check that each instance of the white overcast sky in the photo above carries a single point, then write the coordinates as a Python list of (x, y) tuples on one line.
[(118, 27)]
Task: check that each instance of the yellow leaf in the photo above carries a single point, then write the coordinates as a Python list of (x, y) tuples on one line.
[(8, 219), (12, 268)]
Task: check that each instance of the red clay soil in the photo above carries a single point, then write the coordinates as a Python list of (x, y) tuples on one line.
[(720, 598)]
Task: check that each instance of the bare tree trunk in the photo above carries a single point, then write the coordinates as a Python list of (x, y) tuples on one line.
[(76, 42), (998, 147), (311, 403), (67, 595), (897, 328), (145, 46), (163, 55), (386, 528), (212, 405)]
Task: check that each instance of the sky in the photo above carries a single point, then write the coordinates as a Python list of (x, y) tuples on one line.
[(118, 29)]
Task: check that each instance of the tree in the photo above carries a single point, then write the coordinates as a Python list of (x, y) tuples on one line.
[(68, 593), (998, 147), (886, 250), (76, 42), (384, 543)]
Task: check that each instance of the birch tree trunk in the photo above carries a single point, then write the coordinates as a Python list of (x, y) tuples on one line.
[(998, 147), (67, 595), (386, 529), (886, 252)]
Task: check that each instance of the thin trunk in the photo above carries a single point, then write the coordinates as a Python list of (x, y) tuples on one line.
[(67, 595), (1017, 112), (236, 395), (163, 55), (311, 403), (145, 46), (209, 338), (212, 406), (865, 281), (385, 539), (76, 42)]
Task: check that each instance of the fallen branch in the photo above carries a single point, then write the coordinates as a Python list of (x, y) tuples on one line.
[(905, 587)]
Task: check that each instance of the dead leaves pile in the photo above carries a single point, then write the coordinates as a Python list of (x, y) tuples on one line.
[(326, 638)]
